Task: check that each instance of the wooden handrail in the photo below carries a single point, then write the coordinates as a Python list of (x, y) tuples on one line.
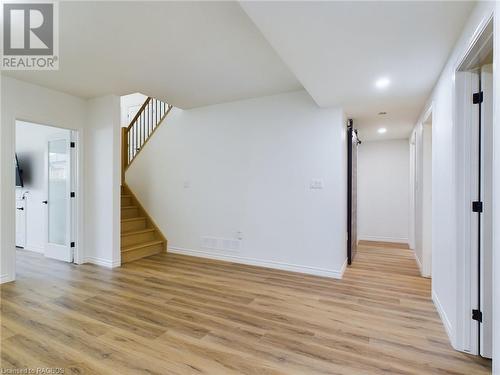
[(141, 128), (139, 112)]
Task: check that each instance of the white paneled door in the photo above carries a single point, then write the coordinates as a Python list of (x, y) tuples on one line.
[(58, 202)]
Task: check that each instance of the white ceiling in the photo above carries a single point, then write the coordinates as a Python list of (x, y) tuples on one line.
[(338, 50), (187, 53), (200, 53)]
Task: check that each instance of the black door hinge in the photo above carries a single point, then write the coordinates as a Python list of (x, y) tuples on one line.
[(72, 194), (477, 97), (477, 206), (72, 144), (72, 244), (477, 315)]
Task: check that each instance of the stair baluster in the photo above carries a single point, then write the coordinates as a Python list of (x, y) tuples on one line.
[(141, 128)]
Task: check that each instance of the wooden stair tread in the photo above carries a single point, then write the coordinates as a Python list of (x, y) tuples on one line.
[(141, 245), (140, 231), (133, 219), (139, 235)]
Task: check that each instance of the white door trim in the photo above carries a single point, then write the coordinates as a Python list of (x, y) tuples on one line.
[(465, 123)]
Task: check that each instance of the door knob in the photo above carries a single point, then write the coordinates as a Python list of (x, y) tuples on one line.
[(45, 202)]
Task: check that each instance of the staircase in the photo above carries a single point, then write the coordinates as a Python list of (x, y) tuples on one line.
[(140, 236)]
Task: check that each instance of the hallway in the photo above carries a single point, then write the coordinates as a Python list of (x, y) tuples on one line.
[(172, 314)]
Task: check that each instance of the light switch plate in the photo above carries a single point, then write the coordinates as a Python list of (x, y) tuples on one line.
[(316, 184)]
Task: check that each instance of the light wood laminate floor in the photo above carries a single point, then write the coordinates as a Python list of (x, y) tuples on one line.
[(172, 314)]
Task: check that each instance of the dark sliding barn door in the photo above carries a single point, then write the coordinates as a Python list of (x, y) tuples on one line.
[(352, 198)]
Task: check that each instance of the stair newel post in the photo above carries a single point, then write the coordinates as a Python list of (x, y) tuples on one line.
[(125, 150)]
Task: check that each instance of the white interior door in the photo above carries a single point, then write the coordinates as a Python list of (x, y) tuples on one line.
[(20, 222), (486, 231), (58, 228)]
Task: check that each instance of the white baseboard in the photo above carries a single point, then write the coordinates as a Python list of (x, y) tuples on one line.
[(102, 262), (342, 270), (382, 239), (444, 318), (335, 274), (6, 278), (419, 264), (34, 248)]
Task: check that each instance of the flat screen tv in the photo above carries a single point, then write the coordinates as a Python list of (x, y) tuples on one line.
[(19, 175)]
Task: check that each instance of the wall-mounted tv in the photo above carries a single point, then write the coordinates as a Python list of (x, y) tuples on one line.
[(19, 175)]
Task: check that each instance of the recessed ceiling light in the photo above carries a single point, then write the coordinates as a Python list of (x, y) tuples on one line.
[(382, 83), (382, 130)]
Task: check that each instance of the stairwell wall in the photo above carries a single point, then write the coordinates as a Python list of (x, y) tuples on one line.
[(103, 170), (242, 171)]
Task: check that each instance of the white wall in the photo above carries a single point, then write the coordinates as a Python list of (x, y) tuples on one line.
[(28, 102), (445, 259), (31, 148), (383, 190), (24, 101), (103, 182), (135, 100), (246, 167)]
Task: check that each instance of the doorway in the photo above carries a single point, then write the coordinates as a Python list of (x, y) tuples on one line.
[(46, 185), (474, 103), (421, 193), (426, 196)]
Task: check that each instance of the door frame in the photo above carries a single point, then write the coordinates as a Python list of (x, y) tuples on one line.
[(426, 224), (77, 204), (465, 119), (418, 229)]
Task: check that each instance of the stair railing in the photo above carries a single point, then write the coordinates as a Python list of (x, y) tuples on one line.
[(141, 128)]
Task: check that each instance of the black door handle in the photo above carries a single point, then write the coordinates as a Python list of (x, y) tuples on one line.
[(45, 202), (20, 208)]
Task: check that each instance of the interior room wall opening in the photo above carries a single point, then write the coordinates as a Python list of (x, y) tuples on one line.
[(420, 231), (383, 191), (46, 185)]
